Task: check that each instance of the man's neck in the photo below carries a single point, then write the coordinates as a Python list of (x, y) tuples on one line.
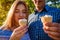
[(39, 9)]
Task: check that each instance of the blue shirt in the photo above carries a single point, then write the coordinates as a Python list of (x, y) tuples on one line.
[(36, 31), (5, 35)]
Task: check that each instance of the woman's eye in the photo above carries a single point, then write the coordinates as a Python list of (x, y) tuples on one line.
[(16, 11), (24, 12)]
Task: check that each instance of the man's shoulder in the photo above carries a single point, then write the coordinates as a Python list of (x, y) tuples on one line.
[(52, 9), (55, 9), (31, 18), (31, 14)]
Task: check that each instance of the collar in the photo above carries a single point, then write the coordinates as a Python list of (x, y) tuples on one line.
[(46, 8)]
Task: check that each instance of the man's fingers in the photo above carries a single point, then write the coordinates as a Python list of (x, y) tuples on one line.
[(54, 29), (55, 38), (53, 33), (50, 24)]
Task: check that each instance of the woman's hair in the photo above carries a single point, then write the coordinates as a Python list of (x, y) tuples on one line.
[(10, 22)]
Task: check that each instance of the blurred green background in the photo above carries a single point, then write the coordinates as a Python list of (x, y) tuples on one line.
[(6, 4)]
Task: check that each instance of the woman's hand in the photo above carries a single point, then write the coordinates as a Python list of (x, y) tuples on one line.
[(18, 33), (53, 30)]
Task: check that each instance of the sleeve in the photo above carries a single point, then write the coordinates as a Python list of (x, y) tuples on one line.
[(5, 34), (4, 38)]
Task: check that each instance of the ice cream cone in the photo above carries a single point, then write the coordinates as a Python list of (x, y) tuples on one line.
[(46, 18), (22, 22)]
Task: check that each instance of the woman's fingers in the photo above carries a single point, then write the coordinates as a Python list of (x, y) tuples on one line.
[(22, 33), (19, 32), (20, 28)]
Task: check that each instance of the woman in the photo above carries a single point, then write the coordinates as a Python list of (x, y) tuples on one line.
[(11, 27)]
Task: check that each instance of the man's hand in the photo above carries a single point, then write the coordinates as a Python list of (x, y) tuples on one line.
[(53, 30)]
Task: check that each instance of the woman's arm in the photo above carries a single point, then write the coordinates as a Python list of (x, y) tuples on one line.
[(5, 34), (14, 38), (4, 38)]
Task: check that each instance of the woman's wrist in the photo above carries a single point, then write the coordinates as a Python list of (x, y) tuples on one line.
[(14, 38)]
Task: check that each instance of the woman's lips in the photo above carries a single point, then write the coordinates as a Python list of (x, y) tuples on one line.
[(20, 18)]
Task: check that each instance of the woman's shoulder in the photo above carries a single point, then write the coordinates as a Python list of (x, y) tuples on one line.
[(2, 27)]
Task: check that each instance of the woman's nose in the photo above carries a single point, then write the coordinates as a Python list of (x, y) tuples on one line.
[(20, 14)]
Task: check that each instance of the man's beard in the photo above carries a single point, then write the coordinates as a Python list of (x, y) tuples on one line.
[(39, 7)]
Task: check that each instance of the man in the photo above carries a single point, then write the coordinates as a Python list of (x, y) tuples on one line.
[(48, 31)]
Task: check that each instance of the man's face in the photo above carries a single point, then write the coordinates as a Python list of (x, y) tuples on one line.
[(39, 3)]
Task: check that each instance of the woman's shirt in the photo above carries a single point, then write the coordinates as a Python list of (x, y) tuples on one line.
[(5, 35)]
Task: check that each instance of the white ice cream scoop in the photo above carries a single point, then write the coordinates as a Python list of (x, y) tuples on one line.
[(23, 22)]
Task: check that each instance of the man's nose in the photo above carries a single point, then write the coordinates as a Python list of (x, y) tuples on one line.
[(38, 0)]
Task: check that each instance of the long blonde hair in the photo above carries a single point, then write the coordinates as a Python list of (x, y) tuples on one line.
[(9, 22)]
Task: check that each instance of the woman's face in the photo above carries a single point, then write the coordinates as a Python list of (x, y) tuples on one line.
[(20, 12)]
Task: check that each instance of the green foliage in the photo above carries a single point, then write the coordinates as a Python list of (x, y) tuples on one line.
[(55, 3), (31, 5), (4, 7), (6, 4)]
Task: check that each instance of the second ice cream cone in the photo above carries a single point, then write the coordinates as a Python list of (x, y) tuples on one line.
[(46, 18)]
